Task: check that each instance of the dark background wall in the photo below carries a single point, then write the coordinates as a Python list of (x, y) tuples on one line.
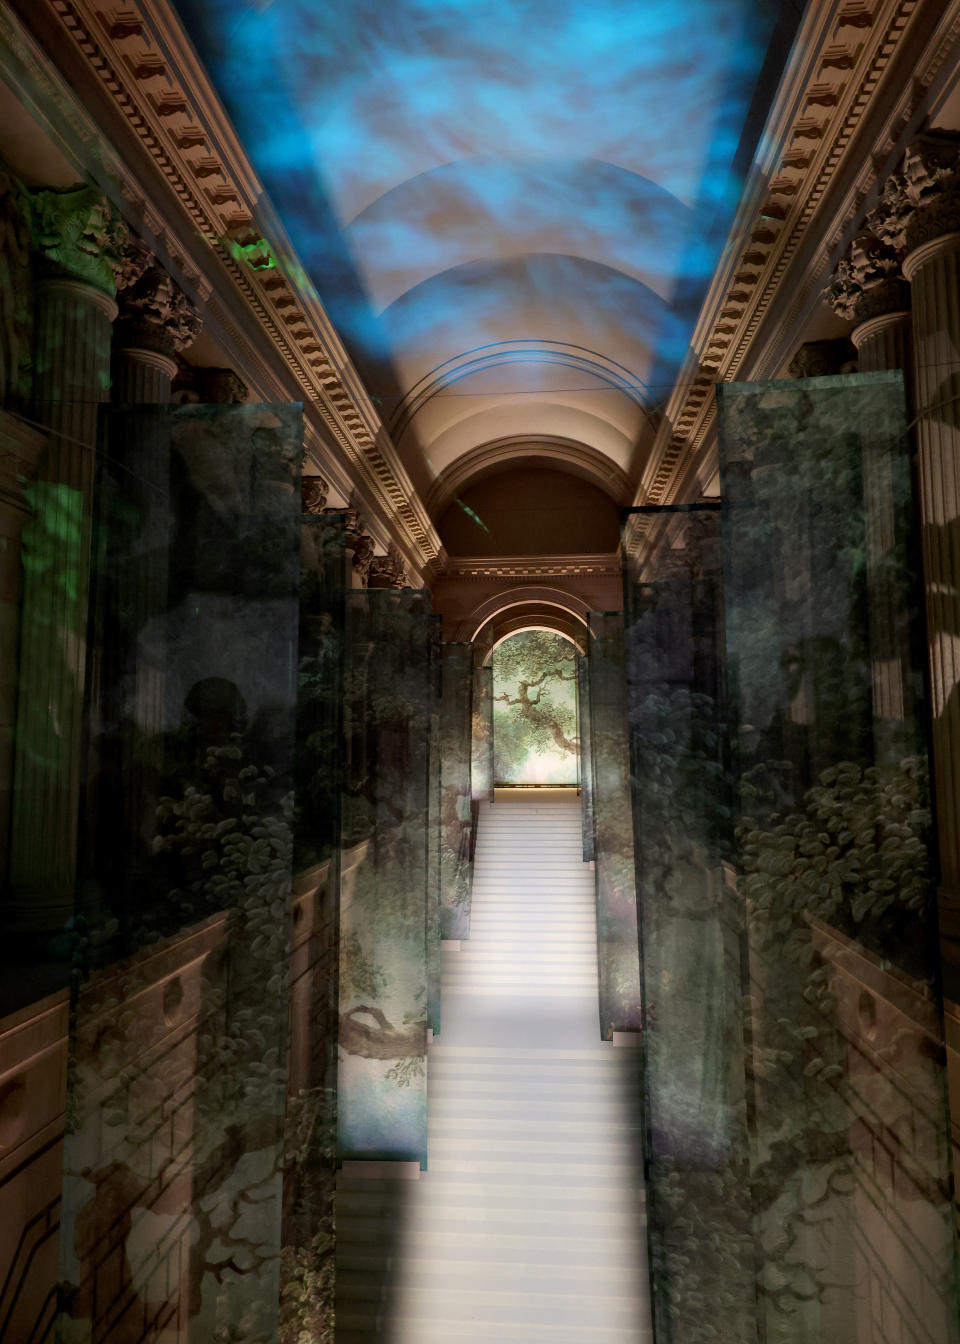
[(531, 511)]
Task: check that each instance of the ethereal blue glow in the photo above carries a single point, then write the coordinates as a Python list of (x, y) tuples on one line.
[(457, 173)]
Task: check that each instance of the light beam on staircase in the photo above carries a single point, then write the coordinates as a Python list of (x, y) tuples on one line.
[(528, 1227)]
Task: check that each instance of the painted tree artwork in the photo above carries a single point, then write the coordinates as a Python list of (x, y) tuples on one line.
[(535, 737)]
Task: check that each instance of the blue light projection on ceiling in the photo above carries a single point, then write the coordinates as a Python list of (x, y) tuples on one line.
[(461, 173)]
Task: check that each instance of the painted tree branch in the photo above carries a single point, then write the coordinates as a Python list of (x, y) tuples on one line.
[(530, 709), (384, 1041)]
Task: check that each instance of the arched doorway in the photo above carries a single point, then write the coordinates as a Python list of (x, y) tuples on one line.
[(536, 740)]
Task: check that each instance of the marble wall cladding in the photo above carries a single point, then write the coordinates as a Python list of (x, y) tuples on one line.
[(586, 759), (614, 862), (703, 1285), (850, 1141), (177, 1072), (481, 761), (456, 710), (383, 975)]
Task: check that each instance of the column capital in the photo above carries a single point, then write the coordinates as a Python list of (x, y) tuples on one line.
[(353, 525), (363, 556), (223, 387), (77, 235), (314, 492), (868, 280), (819, 359), (920, 204), (388, 571), (155, 314)]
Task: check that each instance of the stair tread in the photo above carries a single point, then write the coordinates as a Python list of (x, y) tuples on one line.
[(528, 1224)]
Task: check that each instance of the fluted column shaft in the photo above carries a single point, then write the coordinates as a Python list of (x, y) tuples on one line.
[(934, 272), (883, 342), (142, 377), (72, 376)]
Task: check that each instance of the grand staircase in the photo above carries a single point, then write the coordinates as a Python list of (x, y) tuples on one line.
[(528, 1227)]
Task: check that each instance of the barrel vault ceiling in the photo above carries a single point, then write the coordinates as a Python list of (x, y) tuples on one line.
[(511, 209)]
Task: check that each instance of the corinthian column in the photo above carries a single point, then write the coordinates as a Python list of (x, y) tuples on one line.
[(931, 214), (125, 753), (868, 289), (156, 323), (77, 238)]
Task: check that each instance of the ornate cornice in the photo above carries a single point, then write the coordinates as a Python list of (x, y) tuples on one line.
[(531, 566), (141, 58), (815, 165)]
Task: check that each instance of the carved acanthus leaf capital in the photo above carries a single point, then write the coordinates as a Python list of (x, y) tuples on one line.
[(868, 280), (922, 201), (223, 387), (819, 359), (78, 235), (314, 492), (388, 571), (363, 556), (887, 221), (155, 314)]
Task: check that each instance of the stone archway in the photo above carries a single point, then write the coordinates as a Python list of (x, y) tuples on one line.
[(526, 607)]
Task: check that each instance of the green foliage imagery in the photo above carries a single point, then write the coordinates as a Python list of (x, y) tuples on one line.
[(535, 709)]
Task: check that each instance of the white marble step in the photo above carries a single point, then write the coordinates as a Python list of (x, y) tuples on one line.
[(528, 1226)]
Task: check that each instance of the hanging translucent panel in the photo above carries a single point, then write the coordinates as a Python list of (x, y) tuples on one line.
[(481, 767), (535, 709), (309, 1177), (434, 830), (853, 1223), (176, 1096), (614, 869), (456, 709), (697, 1158), (381, 1100), (323, 587), (586, 758)]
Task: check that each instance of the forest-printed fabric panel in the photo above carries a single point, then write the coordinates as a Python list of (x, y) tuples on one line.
[(535, 738)]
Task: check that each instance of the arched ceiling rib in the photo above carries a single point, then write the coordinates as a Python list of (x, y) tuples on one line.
[(459, 174), (493, 208)]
